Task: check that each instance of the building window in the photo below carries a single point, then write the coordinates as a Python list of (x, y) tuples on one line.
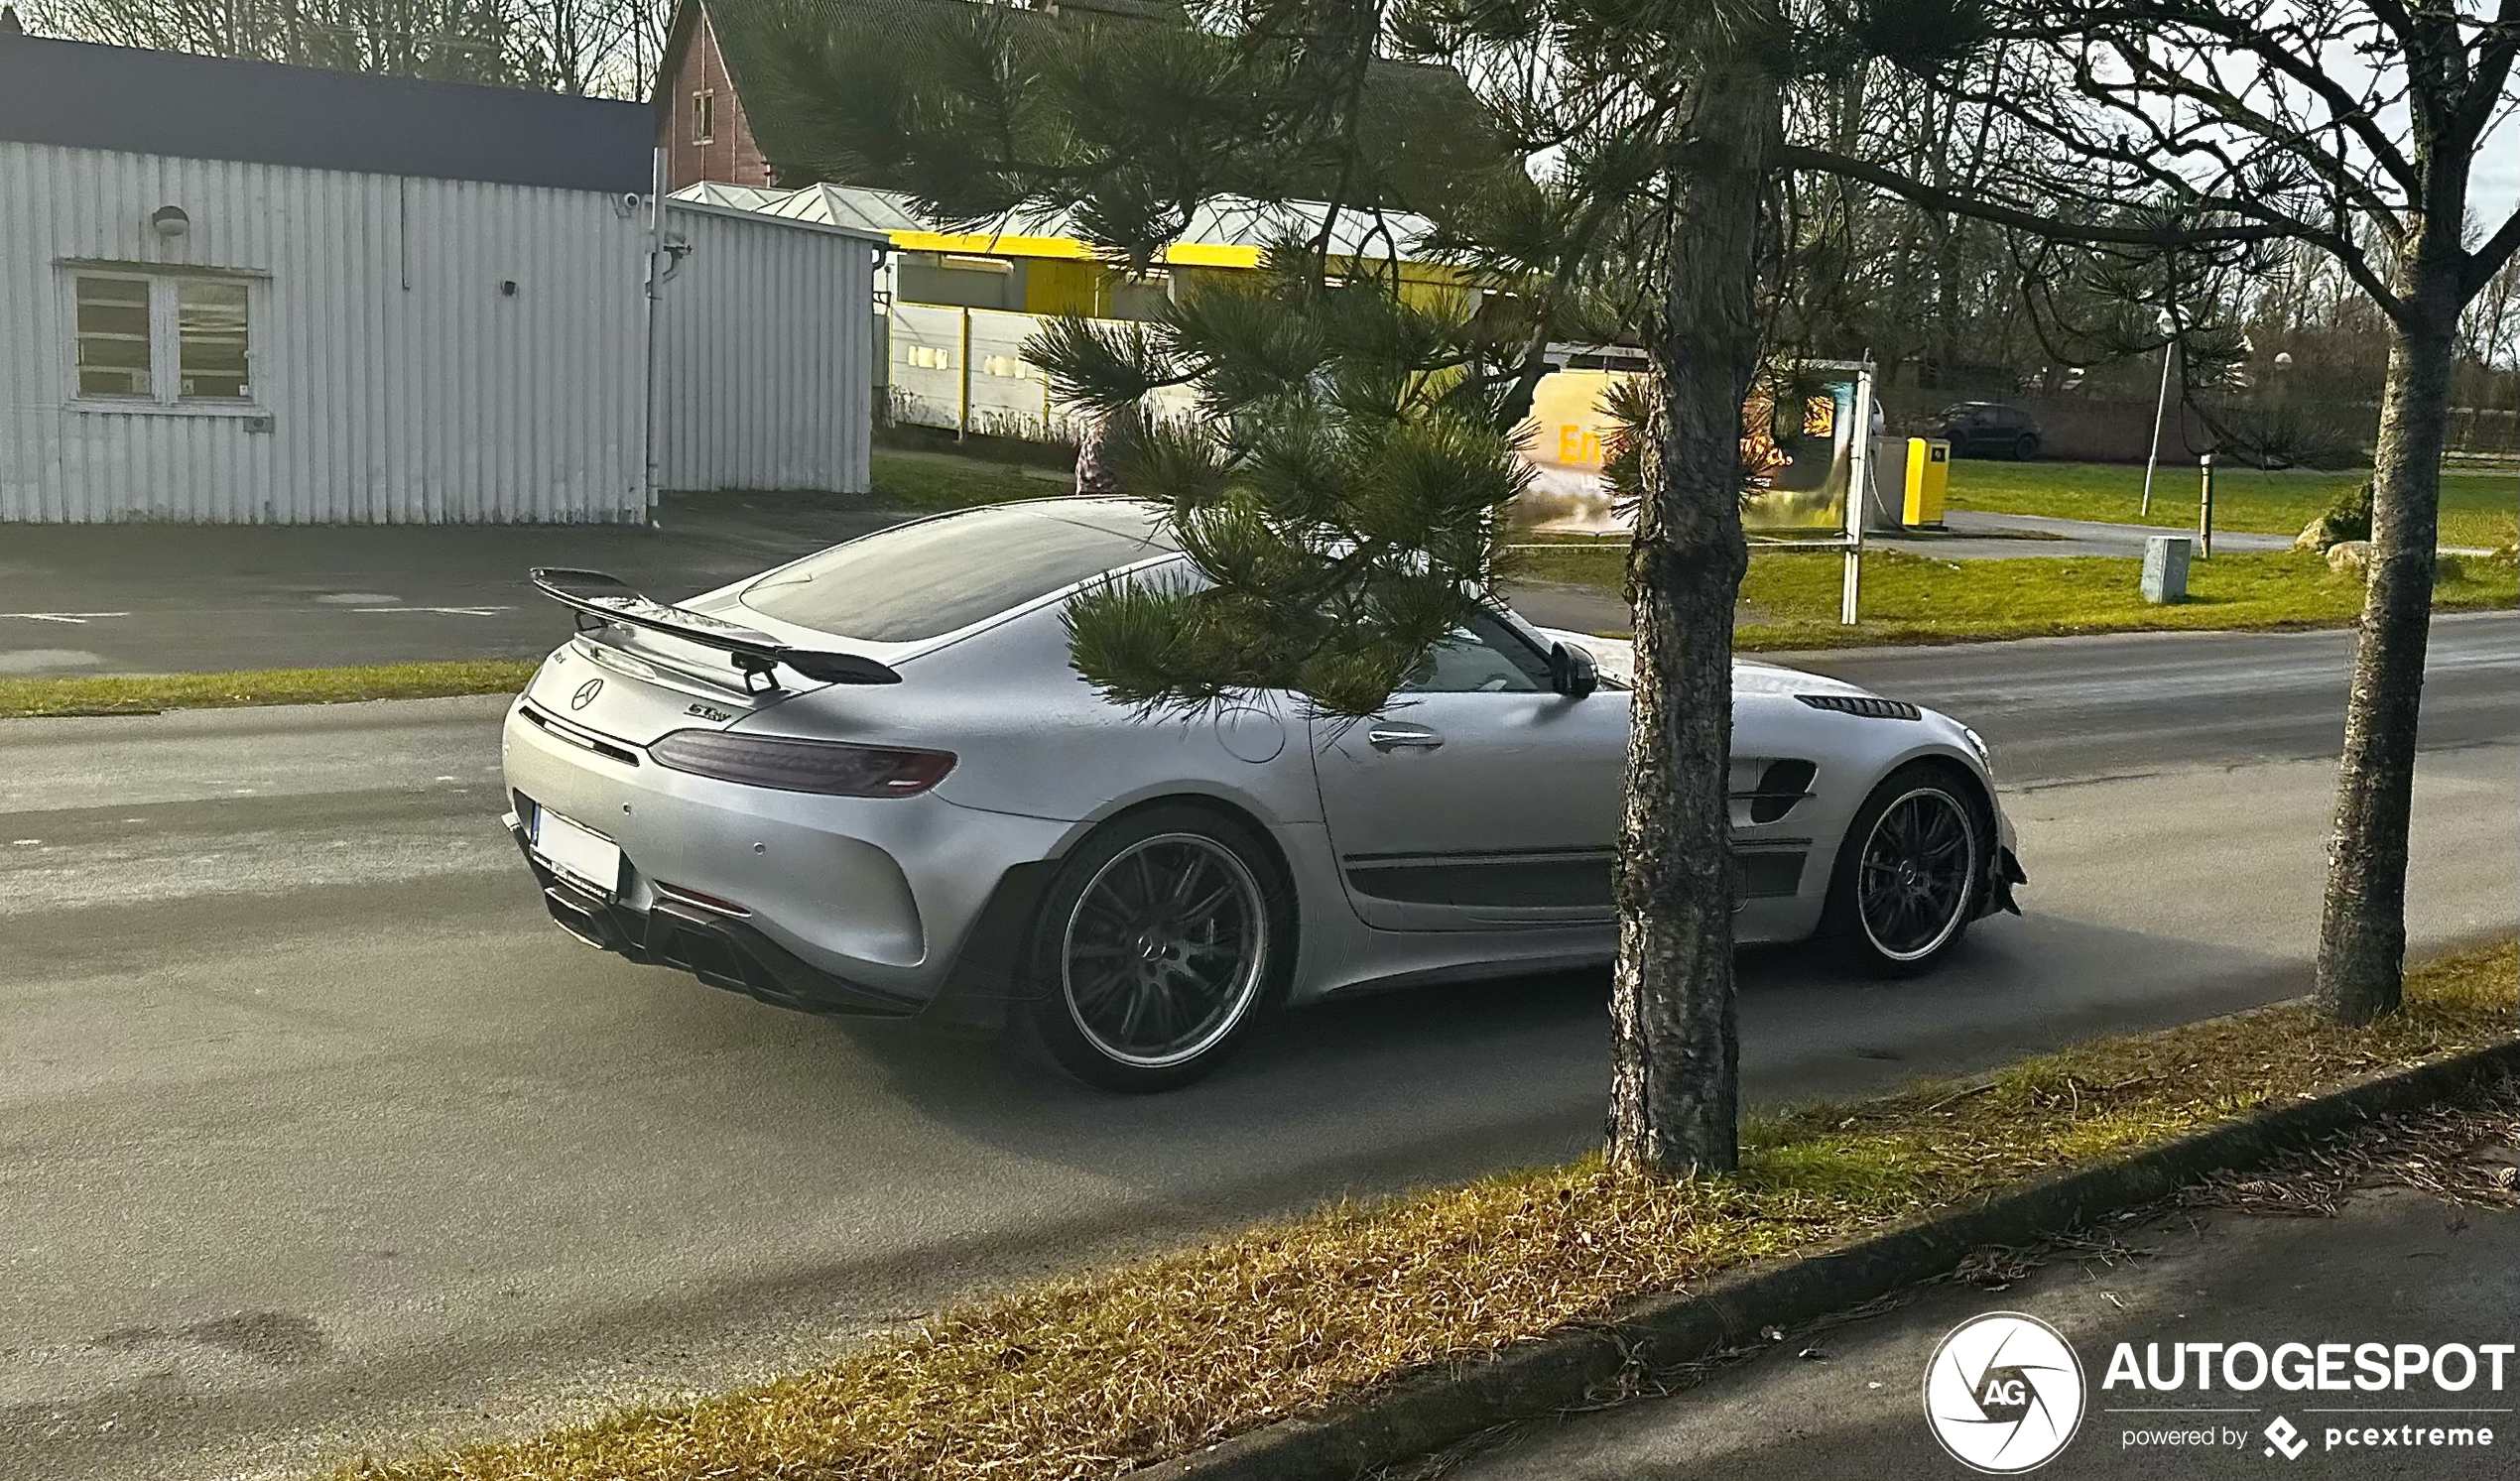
[(704, 117), (210, 348), (113, 336), (162, 337)]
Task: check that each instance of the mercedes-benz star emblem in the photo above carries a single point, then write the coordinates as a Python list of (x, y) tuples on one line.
[(586, 693)]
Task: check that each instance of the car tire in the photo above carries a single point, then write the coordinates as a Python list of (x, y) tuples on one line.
[(2025, 447), (1162, 940), (1912, 871)]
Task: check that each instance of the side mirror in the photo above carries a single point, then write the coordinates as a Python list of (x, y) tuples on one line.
[(1571, 671)]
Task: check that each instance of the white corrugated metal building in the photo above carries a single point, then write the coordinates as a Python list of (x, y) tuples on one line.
[(765, 352), (239, 292)]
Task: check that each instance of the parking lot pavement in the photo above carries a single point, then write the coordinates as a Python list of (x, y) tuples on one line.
[(195, 599), (184, 598), (2396, 1267)]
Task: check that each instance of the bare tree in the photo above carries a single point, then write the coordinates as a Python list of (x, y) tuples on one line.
[(2353, 126), (601, 47)]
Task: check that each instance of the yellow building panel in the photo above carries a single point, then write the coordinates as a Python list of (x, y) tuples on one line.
[(1055, 286)]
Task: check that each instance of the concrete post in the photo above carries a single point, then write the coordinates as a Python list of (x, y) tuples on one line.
[(2166, 568), (2204, 507)]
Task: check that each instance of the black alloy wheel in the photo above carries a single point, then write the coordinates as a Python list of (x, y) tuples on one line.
[(1910, 871), (1159, 943)]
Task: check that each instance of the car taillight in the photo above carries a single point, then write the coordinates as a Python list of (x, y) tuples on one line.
[(831, 767)]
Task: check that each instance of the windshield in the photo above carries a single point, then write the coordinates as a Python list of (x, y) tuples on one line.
[(927, 580)]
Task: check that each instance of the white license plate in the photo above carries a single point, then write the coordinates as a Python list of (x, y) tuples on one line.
[(582, 853)]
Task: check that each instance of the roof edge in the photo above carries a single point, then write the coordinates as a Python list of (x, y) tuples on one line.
[(738, 214)]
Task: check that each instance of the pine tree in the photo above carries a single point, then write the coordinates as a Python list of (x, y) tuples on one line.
[(1339, 493), (1340, 490)]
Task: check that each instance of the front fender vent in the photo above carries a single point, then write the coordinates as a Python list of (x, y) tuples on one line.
[(1867, 706), (1781, 787)]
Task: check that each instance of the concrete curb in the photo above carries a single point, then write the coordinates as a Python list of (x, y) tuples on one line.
[(1429, 1410)]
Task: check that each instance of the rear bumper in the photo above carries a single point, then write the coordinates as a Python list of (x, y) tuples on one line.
[(718, 950)]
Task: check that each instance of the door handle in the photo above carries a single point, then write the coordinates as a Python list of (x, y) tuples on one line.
[(1402, 737)]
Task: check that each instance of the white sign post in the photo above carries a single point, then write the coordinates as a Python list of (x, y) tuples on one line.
[(1858, 489)]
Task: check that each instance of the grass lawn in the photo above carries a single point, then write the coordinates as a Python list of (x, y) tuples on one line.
[(1096, 1373), (147, 693), (938, 481), (2480, 510), (1791, 600)]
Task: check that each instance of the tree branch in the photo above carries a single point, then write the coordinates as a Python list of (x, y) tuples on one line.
[(2489, 259), (2356, 115), (1801, 157)]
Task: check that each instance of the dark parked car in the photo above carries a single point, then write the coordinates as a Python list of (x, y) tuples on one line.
[(1987, 429)]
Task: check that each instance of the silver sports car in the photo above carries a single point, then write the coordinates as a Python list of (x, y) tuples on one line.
[(869, 783)]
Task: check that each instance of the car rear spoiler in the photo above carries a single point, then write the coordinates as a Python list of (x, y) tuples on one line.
[(759, 655)]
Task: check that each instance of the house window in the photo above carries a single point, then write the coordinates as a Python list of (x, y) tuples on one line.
[(704, 117), (162, 337)]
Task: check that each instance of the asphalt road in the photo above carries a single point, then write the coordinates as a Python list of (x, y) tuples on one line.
[(319, 1136)]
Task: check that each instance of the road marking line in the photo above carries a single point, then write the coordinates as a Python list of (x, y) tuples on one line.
[(74, 619), (442, 611)]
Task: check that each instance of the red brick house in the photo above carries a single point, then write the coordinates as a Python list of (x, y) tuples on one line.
[(716, 120), (700, 122), (716, 48)]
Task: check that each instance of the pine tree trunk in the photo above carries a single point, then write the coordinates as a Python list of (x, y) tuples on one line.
[(2362, 932), (1675, 1082)]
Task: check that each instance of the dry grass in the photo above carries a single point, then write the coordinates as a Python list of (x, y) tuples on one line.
[(147, 693), (2458, 1154), (1090, 1375)]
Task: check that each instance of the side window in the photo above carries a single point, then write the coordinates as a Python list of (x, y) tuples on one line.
[(1482, 656)]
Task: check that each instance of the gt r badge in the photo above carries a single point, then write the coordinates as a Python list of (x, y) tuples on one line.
[(586, 693), (707, 713)]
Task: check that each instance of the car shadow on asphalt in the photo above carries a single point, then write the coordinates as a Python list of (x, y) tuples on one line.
[(1430, 1083)]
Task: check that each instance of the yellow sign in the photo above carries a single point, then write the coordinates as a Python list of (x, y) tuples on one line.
[(1798, 468), (1567, 422)]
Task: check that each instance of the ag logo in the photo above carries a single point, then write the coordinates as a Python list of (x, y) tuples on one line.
[(2004, 1393), (586, 693)]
